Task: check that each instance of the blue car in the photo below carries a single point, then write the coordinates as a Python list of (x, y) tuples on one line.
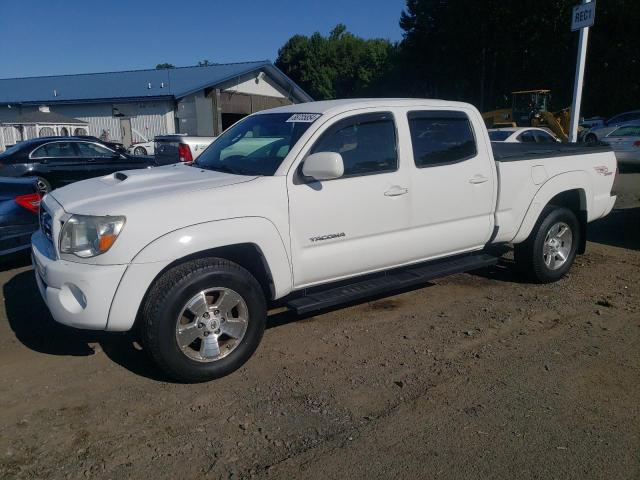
[(19, 204)]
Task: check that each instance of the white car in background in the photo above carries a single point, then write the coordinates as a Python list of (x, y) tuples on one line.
[(141, 148), (522, 135), (625, 142)]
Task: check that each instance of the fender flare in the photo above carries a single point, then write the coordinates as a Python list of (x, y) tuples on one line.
[(168, 249), (575, 180)]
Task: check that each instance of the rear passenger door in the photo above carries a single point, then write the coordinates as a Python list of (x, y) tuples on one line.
[(453, 184)]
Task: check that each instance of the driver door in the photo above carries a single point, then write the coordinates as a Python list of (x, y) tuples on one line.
[(356, 223)]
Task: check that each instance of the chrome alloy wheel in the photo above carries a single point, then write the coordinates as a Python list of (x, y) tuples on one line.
[(557, 245), (42, 186), (212, 324)]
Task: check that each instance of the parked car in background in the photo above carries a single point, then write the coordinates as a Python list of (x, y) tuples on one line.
[(522, 135), (588, 123), (596, 134), (142, 148), (198, 252), (58, 161), (625, 142), (19, 204), (179, 148)]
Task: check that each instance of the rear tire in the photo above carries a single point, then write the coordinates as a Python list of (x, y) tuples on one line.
[(549, 251), (187, 303), (139, 151)]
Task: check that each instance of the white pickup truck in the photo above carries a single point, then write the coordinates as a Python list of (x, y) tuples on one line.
[(313, 205)]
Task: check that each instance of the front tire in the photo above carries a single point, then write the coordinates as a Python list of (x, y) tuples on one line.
[(139, 151), (203, 319), (591, 138), (548, 253), (43, 185)]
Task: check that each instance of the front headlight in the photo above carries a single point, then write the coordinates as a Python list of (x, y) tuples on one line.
[(88, 236)]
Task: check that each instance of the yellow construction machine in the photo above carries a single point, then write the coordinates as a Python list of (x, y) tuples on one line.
[(530, 108)]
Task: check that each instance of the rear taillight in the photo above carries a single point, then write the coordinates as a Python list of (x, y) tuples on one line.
[(30, 201), (636, 144), (184, 153)]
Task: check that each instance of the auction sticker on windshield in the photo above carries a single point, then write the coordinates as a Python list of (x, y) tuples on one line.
[(304, 117)]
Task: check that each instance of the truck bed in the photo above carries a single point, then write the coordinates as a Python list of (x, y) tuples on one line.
[(514, 152)]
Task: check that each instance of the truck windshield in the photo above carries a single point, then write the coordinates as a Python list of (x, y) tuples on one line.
[(256, 145)]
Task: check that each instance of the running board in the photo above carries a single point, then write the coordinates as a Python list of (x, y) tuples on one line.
[(392, 280)]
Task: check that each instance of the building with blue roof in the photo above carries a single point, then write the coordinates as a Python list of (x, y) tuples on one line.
[(135, 106)]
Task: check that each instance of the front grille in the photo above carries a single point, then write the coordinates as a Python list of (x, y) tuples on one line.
[(46, 224)]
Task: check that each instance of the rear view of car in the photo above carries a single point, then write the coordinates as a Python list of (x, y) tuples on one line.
[(625, 142), (19, 204), (179, 148)]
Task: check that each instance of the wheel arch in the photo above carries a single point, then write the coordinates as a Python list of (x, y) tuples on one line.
[(252, 242), (571, 190)]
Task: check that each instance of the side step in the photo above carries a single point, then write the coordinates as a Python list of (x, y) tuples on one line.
[(392, 280)]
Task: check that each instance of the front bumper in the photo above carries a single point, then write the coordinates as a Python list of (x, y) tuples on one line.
[(77, 294)]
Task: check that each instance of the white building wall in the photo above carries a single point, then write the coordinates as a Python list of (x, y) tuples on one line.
[(256, 83), (148, 119), (99, 116)]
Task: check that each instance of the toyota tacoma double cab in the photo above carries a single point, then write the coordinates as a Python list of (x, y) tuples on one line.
[(311, 205)]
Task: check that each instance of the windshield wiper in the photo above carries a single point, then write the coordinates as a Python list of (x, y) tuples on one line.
[(223, 169)]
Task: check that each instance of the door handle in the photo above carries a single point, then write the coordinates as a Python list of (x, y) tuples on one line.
[(396, 191), (478, 179)]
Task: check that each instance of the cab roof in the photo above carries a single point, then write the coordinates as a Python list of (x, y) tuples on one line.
[(345, 105)]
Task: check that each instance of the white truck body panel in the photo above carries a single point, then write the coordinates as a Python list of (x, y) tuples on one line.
[(309, 233)]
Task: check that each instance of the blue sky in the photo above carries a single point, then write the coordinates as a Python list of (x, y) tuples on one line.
[(50, 37)]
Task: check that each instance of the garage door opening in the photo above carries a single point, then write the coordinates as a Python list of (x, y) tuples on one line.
[(229, 119)]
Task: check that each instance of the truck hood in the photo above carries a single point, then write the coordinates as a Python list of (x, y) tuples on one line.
[(140, 185)]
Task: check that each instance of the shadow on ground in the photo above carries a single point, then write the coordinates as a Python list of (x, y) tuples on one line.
[(33, 326), (621, 228), (16, 260)]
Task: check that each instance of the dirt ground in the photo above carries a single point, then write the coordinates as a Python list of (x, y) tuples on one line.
[(473, 376)]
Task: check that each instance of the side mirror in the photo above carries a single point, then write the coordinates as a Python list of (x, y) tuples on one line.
[(323, 166)]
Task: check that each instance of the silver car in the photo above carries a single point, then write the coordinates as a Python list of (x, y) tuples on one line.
[(600, 132), (625, 142)]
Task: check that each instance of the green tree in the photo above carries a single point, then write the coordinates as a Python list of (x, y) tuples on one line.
[(336, 66), (162, 66), (481, 51)]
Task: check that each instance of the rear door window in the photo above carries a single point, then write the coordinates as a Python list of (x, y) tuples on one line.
[(441, 137), (55, 150)]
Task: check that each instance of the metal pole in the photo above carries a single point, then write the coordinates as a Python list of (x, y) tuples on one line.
[(579, 80)]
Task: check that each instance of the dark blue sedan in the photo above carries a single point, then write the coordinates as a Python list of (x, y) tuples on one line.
[(19, 204)]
